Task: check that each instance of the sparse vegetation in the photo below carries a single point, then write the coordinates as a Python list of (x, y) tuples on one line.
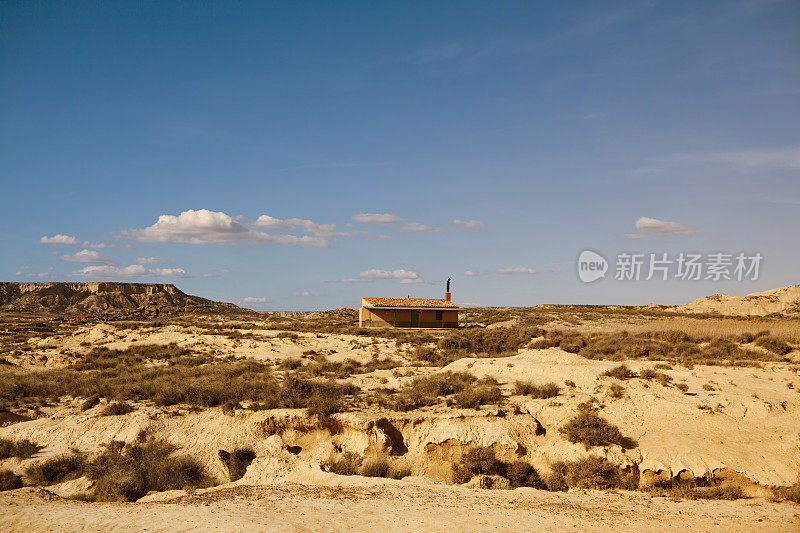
[(427, 390), (9, 480), (620, 372), (23, 448), (589, 473), (590, 429), (548, 390), (117, 408), (478, 460), (56, 470), (126, 472)]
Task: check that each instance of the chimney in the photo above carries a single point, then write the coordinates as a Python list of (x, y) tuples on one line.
[(447, 293)]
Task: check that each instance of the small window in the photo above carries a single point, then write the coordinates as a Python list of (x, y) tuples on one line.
[(439, 315)]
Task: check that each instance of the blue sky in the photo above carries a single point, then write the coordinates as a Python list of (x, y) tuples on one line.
[(302, 155)]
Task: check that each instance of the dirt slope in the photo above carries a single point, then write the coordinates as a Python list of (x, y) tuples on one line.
[(784, 300)]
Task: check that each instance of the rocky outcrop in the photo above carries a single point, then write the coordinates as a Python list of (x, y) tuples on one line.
[(128, 299)]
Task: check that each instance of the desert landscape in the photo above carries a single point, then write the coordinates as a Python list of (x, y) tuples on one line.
[(135, 406)]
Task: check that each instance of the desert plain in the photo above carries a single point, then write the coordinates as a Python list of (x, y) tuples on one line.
[(137, 407)]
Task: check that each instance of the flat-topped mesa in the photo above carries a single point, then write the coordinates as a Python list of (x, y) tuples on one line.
[(103, 297)]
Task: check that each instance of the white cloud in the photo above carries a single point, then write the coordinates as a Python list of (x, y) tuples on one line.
[(59, 239), (87, 256), (309, 226), (150, 260), (377, 218), (516, 270), (633, 236), (386, 238), (783, 157), (374, 274), (254, 300), (88, 244), (304, 294), (471, 273), (211, 227), (396, 221), (21, 272), (661, 227), (469, 224), (129, 272)]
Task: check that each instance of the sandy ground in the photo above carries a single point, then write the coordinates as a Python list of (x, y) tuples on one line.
[(291, 507)]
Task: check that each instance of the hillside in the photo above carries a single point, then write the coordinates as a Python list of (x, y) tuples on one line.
[(112, 298), (784, 300)]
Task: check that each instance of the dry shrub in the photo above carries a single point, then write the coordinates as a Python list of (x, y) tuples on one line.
[(590, 429), (791, 493), (117, 408), (522, 474), (616, 391), (287, 335), (56, 470), (722, 492), (427, 390), (773, 344), (548, 390), (9, 480), (90, 402), (620, 372), (588, 473), (126, 472), (345, 464), (478, 460), (650, 374), (24, 449), (484, 391), (383, 467), (488, 341)]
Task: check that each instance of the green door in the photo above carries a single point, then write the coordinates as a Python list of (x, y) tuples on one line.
[(414, 319)]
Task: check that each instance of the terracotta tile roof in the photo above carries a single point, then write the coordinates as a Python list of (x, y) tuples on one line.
[(409, 302)]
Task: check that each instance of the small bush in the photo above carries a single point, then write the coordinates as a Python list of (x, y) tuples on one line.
[(478, 460), (790, 493), (722, 492), (616, 391), (346, 464), (90, 402), (620, 372), (56, 470), (480, 394), (649, 373), (9, 480), (773, 344), (427, 390), (287, 335), (549, 390), (24, 449), (117, 408), (522, 474), (591, 429), (587, 473), (126, 472)]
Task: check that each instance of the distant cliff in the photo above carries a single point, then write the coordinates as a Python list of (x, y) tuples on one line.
[(134, 299)]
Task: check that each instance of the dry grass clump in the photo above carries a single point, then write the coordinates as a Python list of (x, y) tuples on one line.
[(616, 391), (209, 384), (345, 464), (427, 390), (652, 374), (784, 329), (117, 408), (700, 488), (620, 372), (791, 493), (590, 429), (484, 391), (488, 341), (56, 470), (9, 480), (352, 464), (478, 460), (590, 473), (482, 460), (773, 344), (526, 388), (88, 403), (23, 448), (126, 472)]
